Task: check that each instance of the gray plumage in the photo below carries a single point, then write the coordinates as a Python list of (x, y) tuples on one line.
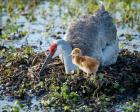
[(93, 34)]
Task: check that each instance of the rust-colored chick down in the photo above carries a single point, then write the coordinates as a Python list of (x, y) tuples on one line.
[(85, 63)]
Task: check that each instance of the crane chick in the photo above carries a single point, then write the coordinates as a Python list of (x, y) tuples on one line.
[(87, 64)]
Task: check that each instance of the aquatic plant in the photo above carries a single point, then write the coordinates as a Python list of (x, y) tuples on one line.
[(19, 67), (19, 75)]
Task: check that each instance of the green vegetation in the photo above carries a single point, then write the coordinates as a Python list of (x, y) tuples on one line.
[(19, 67), (128, 10), (16, 108), (75, 92)]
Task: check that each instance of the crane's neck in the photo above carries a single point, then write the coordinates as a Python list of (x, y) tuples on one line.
[(66, 50)]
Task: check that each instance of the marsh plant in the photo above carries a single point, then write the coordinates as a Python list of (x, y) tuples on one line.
[(19, 67), (125, 13)]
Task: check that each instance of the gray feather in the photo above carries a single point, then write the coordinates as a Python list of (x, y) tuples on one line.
[(92, 32)]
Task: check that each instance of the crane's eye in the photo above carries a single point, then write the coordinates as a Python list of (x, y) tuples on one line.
[(52, 48)]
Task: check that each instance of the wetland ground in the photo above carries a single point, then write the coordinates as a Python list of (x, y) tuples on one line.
[(27, 29)]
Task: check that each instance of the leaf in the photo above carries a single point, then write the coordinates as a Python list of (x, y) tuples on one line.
[(116, 85), (66, 108), (64, 88), (28, 50)]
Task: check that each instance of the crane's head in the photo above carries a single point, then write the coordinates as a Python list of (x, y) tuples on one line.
[(52, 53), (52, 48), (62, 49)]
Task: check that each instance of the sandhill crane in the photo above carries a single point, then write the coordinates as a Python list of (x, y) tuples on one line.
[(95, 35)]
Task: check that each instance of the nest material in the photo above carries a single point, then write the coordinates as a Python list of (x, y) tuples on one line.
[(19, 77)]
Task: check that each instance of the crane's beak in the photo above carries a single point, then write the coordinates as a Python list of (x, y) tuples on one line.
[(45, 64)]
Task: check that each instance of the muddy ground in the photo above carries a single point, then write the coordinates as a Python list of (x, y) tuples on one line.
[(116, 83)]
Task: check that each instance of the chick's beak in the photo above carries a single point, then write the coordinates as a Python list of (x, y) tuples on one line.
[(45, 64)]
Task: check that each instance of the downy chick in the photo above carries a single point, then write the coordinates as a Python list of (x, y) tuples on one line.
[(85, 63)]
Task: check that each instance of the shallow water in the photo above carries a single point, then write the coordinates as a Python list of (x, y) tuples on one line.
[(53, 24), (9, 104)]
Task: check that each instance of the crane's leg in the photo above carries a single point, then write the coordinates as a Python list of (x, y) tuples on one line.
[(78, 71)]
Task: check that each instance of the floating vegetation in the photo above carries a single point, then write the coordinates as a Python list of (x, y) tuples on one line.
[(129, 11), (19, 67), (113, 84)]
